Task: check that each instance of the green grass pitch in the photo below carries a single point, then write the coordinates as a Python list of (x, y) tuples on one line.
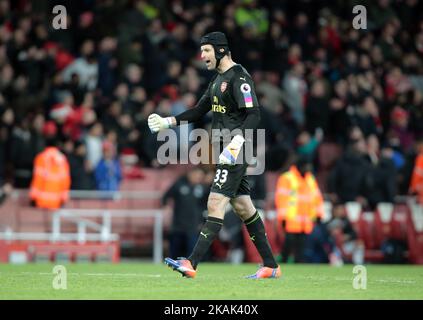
[(213, 281)]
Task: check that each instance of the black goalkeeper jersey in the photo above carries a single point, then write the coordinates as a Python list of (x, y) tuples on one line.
[(232, 99), (228, 96)]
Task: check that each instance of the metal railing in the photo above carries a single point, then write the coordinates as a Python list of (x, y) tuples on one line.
[(88, 225), (105, 228)]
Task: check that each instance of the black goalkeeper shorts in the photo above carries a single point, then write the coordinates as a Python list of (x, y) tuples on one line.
[(231, 181)]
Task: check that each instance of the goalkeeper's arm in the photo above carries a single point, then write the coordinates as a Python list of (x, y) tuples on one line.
[(194, 114), (252, 119), (157, 123)]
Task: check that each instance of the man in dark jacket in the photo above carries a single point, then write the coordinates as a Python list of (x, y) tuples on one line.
[(348, 181), (382, 182), (187, 194), (81, 176)]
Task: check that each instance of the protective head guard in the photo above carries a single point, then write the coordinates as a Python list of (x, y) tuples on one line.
[(219, 42)]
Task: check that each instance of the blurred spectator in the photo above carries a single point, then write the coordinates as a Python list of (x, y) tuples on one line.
[(51, 181), (133, 76), (249, 14), (307, 145), (79, 118), (147, 145), (416, 113), (6, 126), (108, 172), (269, 88), (381, 176), (187, 101), (338, 117), (37, 128), (345, 237), (296, 87), (380, 12), (94, 143), (348, 179), (85, 67), (63, 109), (399, 128), (319, 245), (127, 134), (187, 194), (5, 191), (23, 153), (81, 172), (107, 66), (317, 108), (365, 116)]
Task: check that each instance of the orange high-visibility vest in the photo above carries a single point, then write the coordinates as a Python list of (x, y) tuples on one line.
[(51, 179), (416, 184), (298, 201)]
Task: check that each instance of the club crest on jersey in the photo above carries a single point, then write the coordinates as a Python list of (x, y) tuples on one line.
[(223, 86)]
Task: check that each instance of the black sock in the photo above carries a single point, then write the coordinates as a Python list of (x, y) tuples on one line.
[(258, 235), (208, 233)]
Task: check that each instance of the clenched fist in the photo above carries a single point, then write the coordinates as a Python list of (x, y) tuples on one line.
[(157, 123)]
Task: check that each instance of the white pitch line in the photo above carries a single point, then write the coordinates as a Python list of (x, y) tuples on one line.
[(97, 274), (396, 281)]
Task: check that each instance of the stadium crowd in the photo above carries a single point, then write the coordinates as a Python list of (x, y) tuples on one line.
[(319, 80)]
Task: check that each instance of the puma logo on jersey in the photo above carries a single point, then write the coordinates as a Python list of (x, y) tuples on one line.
[(242, 78), (219, 185), (204, 234)]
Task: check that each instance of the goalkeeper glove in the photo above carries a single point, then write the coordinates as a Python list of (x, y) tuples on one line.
[(231, 151), (157, 123)]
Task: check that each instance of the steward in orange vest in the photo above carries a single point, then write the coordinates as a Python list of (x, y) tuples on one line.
[(51, 178), (416, 185), (299, 203)]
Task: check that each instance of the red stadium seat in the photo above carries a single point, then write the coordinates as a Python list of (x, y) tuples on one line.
[(365, 226), (399, 222), (367, 230), (383, 222), (391, 223), (415, 233), (353, 210)]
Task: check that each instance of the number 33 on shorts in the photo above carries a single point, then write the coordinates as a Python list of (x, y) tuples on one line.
[(221, 176)]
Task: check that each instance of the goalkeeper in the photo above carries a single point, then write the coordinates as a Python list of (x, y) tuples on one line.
[(232, 99)]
